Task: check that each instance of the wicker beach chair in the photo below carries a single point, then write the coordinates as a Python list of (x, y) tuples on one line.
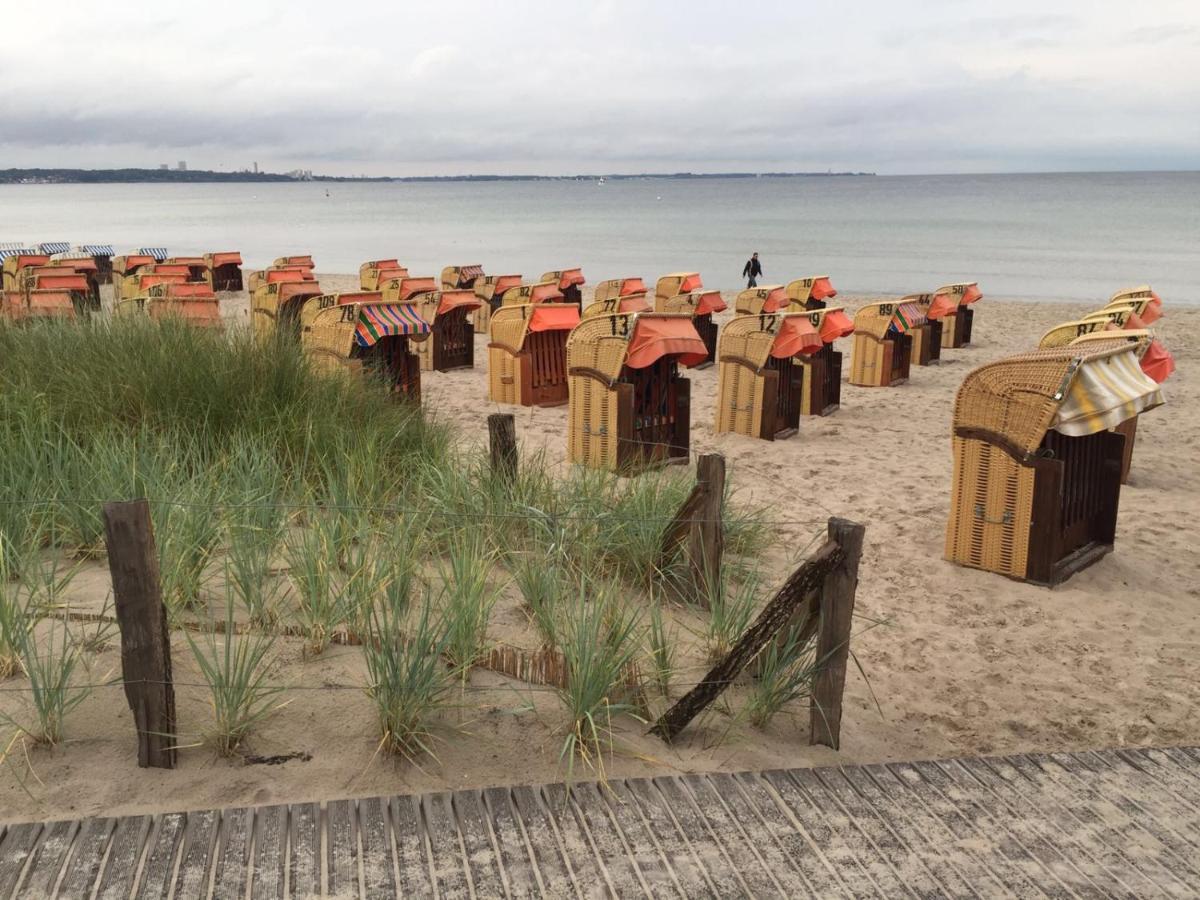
[(226, 270), (883, 343), (927, 336), (275, 304), (490, 290), (304, 261), (193, 302), (630, 409), (570, 282), (958, 316), (272, 274), (821, 393), (1139, 312), (810, 293), (364, 335), (461, 278), (683, 292), (760, 391), (41, 287), (1036, 467), (541, 292), (527, 353), (373, 273), (16, 259), (628, 303), (197, 267), (1151, 310), (139, 284), (451, 343), (618, 287), (770, 298), (103, 255), (84, 264)]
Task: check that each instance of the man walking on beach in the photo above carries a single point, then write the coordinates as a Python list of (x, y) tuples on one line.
[(752, 270)]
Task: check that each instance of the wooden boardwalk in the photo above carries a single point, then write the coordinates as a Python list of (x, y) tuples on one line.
[(1110, 823)]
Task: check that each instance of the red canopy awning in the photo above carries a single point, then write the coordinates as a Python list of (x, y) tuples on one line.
[(654, 338), (233, 258), (691, 283), (570, 277), (632, 286), (1153, 311), (776, 301), (971, 294), (822, 289), (547, 292), (633, 303), (710, 302), (942, 305), (796, 337), (834, 325), (454, 299), (554, 317), (1157, 362)]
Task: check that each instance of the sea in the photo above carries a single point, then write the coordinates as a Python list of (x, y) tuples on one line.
[(1048, 236)]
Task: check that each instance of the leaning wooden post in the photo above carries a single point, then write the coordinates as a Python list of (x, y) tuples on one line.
[(833, 636), (502, 437), (699, 528), (142, 618)]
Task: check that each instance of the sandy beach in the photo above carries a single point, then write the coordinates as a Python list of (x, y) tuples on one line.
[(959, 661)]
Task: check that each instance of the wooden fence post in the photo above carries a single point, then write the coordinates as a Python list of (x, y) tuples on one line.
[(833, 636), (142, 618), (502, 437), (698, 526)]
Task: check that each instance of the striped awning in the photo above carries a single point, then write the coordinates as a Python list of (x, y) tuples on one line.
[(98, 249), (907, 317), (378, 320), (51, 247), (1105, 392), (6, 252), (159, 253)]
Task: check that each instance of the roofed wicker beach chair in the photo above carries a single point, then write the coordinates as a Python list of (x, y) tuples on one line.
[(103, 255), (627, 303), (461, 278), (490, 291), (927, 336), (15, 260), (197, 267), (630, 409), (882, 343), (192, 302), (276, 303), (451, 343), (541, 292), (374, 272), (955, 312), (1037, 470), (770, 298), (810, 292), (683, 292), (365, 335), (618, 287), (527, 353), (41, 284), (84, 264), (271, 274), (1151, 311), (1134, 312), (570, 282), (760, 391), (822, 389), (158, 254), (304, 261), (225, 270), (124, 268)]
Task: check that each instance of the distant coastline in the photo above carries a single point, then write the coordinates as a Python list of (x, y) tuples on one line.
[(198, 176)]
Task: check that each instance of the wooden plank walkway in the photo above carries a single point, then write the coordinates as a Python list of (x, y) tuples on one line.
[(1098, 824)]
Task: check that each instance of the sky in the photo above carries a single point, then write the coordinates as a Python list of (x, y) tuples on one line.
[(386, 87)]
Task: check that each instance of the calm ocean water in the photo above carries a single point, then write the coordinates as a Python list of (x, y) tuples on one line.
[(1076, 236)]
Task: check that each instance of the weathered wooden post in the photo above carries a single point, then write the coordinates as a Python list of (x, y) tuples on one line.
[(833, 635), (698, 526), (502, 436), (142, 618)]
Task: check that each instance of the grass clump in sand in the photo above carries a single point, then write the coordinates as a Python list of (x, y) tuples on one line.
[(50, 664), (787, 667), (236, 668), (467, 601)]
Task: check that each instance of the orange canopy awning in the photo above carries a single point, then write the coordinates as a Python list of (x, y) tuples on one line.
[(70, 282), (1134, 322), (822, 289), (710, 302), (570, 277), (1157, 362), (191, 289), (233, 258), (971, 294), (691, 283), (1153, 311), (834, 325), (796, 337), (454, 299), (410, 286), (632, 286), (942, 305), (633, 303), (654, 338), (79, 264), (545, 293), (554, 317)]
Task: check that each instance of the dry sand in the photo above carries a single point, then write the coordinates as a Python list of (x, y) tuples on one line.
[(964, 662)]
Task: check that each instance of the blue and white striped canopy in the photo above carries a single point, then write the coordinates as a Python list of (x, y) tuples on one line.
[(11, 245), (49, 247), (98, 249), (159, 253), (14, 251)]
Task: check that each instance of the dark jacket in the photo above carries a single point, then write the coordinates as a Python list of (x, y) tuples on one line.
[(753, 268)]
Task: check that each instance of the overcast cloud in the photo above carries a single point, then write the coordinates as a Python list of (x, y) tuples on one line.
[(376, 87)]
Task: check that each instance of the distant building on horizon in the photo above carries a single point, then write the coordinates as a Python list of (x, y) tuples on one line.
[(182, 166), (163, 167)]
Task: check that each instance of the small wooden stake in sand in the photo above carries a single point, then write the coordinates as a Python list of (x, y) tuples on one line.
[(698, 527), (142, 618), (774, 616), (833, 637), (502, 435)]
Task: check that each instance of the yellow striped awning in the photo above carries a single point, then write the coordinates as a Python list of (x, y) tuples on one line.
[(1105, 392)]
